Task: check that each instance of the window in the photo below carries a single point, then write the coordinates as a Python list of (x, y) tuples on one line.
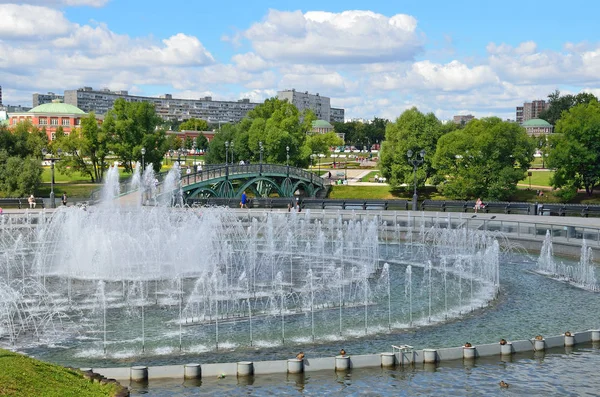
[(53, 136), (53, 121), (65, 122), (43, 121), (77, 121)]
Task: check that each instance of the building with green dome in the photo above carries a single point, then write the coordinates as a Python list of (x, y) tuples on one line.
[(50, 116), (537, 127)]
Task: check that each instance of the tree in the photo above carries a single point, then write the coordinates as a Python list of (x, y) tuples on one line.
[(194, 125), (484, 159), (320, 143), (132, 126), (276, 124), (414, 131), (86, 149), (201, 142), (575, 150), (559, 104), (19, 176)]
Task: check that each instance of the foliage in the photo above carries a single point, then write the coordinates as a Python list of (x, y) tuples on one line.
[(201, 142), (320, 143), (362, 134), (85, 149), (132, 126), (24, 376), (559, 104), (575, 149), (20, 154), (194, 125), (19, 176), (275, 124), (414, 131), (484, 159)]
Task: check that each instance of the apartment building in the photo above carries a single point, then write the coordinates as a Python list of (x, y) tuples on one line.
[(337, 115), (169, 108), (40, 99), (462, 119), (530, 110), (320, 105)]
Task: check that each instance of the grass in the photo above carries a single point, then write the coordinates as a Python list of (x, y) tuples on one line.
[(369, 176), (538, 178), (24, 376), (74, 177), (380, 192), (73, 190)]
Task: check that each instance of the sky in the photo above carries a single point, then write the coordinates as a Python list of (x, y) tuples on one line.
[(372, 58)]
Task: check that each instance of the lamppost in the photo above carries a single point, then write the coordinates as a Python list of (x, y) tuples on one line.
[(52, 160), (416, 162), (287, 160), (346, 169), (226, 152), (260, 146), (319, 161), (179, 153), (143, 153), (232, 153)]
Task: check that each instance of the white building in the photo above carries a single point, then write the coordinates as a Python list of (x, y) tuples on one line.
[(320, 105), (169, 108)]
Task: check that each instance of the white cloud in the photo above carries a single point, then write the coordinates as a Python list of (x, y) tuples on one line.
[(250, 62), (29, 22), (60, 3), (343, 38), (453, 76)]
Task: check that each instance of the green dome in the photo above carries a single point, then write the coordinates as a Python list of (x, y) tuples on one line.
[(57, 108), (536, 123), (321, 124)]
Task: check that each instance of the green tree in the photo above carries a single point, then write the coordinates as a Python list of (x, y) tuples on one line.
[(559, 104), (194, 125), (132, 126), (484, 159), (85, 150), (19, 176), (414, 131), (320, 143), (575, 150), (276, 124), (201, 142)]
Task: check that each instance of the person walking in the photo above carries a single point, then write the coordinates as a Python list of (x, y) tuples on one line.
[(64, 199), (244, 202)]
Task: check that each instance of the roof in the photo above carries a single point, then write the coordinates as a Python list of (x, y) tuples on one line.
[(321, 124), (536, 123), (57, 108)]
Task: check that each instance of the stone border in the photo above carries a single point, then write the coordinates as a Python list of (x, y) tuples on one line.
[(406, 356)]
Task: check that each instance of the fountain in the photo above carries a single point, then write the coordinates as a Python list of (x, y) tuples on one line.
[(122, 282), (582, 274)]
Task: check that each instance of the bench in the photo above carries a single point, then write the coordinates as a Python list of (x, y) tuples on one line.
[(593, 210), (11, 202), (508, 208), (428, 205)]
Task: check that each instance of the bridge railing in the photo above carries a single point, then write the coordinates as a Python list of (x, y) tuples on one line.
[(225, 171)]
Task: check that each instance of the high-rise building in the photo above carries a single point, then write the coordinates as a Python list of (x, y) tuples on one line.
[(463, 119), (169, 108), (530, 110), (320, 105), (337, 115), (40, 99)]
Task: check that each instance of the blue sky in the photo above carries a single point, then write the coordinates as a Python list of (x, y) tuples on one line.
[(373, 58)]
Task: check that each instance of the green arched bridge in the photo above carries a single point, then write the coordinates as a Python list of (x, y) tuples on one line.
[(263, 180)]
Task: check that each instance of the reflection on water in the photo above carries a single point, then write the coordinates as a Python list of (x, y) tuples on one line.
[(555, 373)]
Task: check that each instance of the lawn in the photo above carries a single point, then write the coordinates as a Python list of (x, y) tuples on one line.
[(24, 376), (380, 192), (538, 178), (369, 176), (74, 177)]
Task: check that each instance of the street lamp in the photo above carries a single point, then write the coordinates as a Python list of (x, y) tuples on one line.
[(260, 146), (287, 152), (232, 157), (52, 160), (226, 152), (143, 153), (416, 162)]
